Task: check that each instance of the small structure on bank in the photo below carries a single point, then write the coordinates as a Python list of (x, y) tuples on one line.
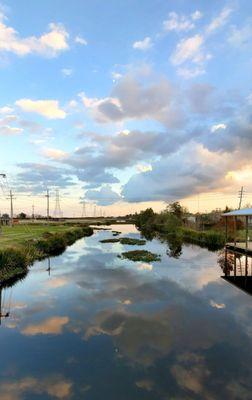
[(237, 260), (243, 245)]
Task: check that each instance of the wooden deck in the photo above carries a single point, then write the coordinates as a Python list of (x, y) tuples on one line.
[(241, 282), (240, 247)]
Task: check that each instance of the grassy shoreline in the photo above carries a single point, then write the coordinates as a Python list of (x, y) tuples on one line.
[(15, 258)]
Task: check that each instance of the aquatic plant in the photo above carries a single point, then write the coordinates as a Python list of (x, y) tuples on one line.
[(140, 255), (126, 241)]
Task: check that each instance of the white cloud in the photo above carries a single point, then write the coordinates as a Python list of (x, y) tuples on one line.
[(219, 21), (217, 127), (67, 71), (104, 196), (131, 99), (189, 49), (47, 108), (144, 167), (116, 76), (48, 44), (196, 15), (217, 305), (6, 110), (54, 154), (8, 130), (189, 73), (143, 45), (80, 40), (241, 37), (178, 23)]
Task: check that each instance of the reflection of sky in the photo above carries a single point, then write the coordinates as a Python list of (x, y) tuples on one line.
[(169, 329)]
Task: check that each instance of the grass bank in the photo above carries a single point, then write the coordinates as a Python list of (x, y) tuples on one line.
[(17, 251)]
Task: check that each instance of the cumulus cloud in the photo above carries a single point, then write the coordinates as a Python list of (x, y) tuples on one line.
[(180, 23), (6, 127), (216, 127), (54, 386), (47, 108), (188, 73), (131, 99), (143, 45), (54, 154), (219, 21), (35, 177), (6, 110), (53, 326), (190, 170), (105, 196), (67, 71), (240, 37), (190, 49), (49, 44), (80, 40), (191, 53)]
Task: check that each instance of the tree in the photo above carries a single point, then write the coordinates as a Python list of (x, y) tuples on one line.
[(144, 217), (176, 209), (22, 215)]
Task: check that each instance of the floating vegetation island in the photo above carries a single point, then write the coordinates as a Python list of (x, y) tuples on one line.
[(140, 255), (127, 241)]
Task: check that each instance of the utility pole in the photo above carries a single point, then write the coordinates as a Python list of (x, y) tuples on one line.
[(47, 204), (11, 207), (33, 212), (240, 197)]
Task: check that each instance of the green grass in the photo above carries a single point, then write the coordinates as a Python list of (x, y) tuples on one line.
[(17, 235), (19, 250)]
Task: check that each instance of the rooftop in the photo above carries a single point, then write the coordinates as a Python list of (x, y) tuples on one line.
[(239, 213)]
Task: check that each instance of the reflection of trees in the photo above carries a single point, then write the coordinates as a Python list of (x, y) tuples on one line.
[(175, 247), (148, 234), (226, 261)]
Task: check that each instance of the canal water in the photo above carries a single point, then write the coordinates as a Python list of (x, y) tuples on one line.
[(89, 325)]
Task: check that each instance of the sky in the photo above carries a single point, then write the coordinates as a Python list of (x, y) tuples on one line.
[(125, 104)]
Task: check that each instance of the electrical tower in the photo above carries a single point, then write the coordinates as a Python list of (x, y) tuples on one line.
[(83, 215), (57, 210), (47, 204), (240, 197)]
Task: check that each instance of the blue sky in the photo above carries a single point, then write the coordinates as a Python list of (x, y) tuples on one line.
[(126, 103)]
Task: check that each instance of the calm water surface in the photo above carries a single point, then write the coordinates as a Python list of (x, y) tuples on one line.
[(94, 326)]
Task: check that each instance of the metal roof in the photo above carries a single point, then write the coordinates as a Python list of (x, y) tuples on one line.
[(239, 213)]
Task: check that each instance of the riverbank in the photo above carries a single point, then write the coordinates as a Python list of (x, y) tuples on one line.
[(18, 252), (168, 225)]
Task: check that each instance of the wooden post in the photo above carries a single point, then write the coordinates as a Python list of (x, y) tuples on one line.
[(246, 233), (226, 230), (235, 227)]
